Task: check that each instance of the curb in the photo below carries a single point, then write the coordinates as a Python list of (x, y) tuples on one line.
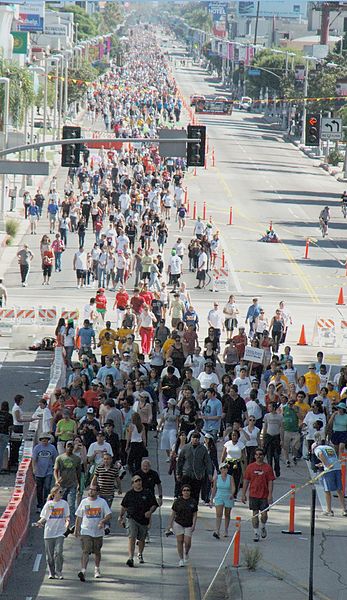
[(279, 573), (232, 584)]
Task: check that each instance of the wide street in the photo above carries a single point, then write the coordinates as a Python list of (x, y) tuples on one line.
[(264, 179)]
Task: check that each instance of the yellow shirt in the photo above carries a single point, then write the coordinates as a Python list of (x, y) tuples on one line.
[(333, 396), (107, 347), (304, 407), (166, 345), (312, 381), (110, 331)]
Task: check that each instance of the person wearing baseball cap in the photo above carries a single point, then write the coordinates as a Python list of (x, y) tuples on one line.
[(43, 459)]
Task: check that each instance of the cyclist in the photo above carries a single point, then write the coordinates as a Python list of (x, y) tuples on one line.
[(324, 218)]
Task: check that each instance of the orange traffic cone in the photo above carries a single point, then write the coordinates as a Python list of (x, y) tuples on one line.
[(340, 299), (302, 338)]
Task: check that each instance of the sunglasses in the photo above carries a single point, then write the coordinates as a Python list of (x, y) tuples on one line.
[(185, 490)]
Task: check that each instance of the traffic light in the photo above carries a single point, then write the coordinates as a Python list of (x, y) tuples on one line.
[(312, 129), (196, 151), (70, 153)]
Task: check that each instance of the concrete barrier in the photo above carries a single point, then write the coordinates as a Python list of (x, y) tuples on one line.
[(14, 521)]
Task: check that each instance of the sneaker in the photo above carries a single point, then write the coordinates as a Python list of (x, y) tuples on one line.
[(50, 576), (186, 560), (81, 576), (168, 460), (97, 574), (140, 557), (263, 532), (216, 535), (256, 537), (130, 562), (295, 461), (107, 531), (288, 463), (328, 513), (344, 513), (60, 576), (181, 563)]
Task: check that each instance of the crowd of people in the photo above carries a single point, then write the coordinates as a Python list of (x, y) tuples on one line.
[(147, 382)]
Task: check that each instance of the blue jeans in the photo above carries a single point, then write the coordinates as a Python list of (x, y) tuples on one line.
[(57, 256), (70, 496), (43, 487), (4, 439)]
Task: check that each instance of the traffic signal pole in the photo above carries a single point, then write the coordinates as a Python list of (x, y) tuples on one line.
[(17, 149), (303, 131)]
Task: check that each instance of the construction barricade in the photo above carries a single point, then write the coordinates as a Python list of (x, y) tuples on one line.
[(325, 331)]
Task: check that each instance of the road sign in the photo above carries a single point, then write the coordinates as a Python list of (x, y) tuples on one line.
[(167, 148), (23, 167), (254, 72), (331, 129)]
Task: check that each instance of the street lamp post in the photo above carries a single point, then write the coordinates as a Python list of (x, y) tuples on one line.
[(68, 53), (45, 101), (6, 111), (304, 112)]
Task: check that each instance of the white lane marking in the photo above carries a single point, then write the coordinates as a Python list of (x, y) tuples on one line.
[(37, 563), (293, 213)]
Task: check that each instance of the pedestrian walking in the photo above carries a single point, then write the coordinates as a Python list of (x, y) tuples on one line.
[(54, 518), (182, 521), (91, 517), (25, 256), (137, 508), (222, 496), (258, 482)]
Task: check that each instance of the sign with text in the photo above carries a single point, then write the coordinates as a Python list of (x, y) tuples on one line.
[(331, 129), (255, 355), (31, 16)]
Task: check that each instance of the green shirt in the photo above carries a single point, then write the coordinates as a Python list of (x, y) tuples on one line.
[(69, 468), (65, 429), (290, 419)]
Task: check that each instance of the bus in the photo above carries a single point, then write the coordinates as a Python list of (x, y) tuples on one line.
[(214, 106)]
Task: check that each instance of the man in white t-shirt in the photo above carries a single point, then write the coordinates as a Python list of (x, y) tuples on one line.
[(174, 268), (91, 516), (208, 378), (215, 320), (55, 518), (97, 449), (80, 266), (243, 383)]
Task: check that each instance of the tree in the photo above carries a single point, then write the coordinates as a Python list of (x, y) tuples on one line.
[(88, 25), (79, 79), (21, 91), (110, 17)]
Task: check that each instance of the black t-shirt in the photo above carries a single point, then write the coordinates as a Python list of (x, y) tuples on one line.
[(184, 510), (233, 408), (137, 504), (149, 479), (6, 421)]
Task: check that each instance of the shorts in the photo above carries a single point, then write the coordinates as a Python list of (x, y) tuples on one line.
[(332, 481), (136, 530), (223, 500), (47, 270), (258, 504), (175, 277), (230, 324), (80, 273), (180, 530), (91, 545), (33, 218), (339, 437), (201, 275)]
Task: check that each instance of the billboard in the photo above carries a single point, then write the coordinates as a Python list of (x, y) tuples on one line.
[(31, 16), (292, 9), (218, 12)]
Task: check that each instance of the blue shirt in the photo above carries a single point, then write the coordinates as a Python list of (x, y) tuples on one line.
[(330, 457), (212, 408), (253, 312), (45, 458), (86, 334), (53, 208), (104, 371)]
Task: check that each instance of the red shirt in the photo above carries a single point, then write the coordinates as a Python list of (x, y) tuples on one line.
[(147, 296), (101, 301), (92, 399), (122, 299), (240, 343), (259, 477), (137, 304)]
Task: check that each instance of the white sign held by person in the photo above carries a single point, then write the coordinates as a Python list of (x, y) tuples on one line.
[(253, 354)]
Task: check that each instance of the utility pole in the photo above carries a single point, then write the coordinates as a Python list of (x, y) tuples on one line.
[(256, 23), (5, 123), (303, 132)]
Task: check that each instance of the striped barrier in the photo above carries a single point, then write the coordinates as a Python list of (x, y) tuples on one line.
[(47, 316), (26, 315)]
